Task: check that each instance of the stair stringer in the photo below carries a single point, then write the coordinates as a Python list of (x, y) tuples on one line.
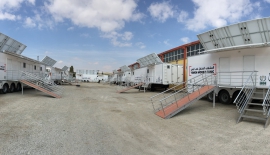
[(189, 103), (161, 112)]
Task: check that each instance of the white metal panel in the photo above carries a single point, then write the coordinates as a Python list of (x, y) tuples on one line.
[(150, 59), (48, 61), (249, 63), (245, 33)]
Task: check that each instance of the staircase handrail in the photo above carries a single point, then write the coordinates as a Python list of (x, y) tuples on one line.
[(266, 103), (245, 94), (194, 82), (183, 89), (43, 83)]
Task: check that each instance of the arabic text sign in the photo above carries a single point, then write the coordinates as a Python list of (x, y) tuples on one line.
[(201, 70)]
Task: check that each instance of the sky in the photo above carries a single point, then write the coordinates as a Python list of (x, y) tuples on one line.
[(107, 34)]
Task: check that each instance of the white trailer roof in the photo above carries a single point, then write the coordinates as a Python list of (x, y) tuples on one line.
[(150, 59), (10, 44), (49, 61), (22, 57), (124, 68), (245, 34)]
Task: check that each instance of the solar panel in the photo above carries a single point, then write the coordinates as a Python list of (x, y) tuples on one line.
[(48, 61), (10, 45), (124, 68), (150, 59), (245, 33), (65, 68)]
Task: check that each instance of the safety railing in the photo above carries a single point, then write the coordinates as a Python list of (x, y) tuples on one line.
[(164, 99), (15, 75), (246, 92), (41, 82), (234, 78), (266, 103)]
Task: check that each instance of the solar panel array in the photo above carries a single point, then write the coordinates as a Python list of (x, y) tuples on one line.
[(10, 45), (65, 68), (124, 68), (242, 34), (150, 59), (48, 61)]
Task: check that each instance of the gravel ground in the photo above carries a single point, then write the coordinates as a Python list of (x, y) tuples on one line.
[(94, 119)]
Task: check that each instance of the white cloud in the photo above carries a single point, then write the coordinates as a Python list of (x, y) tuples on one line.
[(60, 62), (70, 28), (31, 2), (219, 13), (161, 11), (140, 45), (9, 7), (105, 15), (185, 40), (166, 42), (268, 1), (182, 16), (85, 35), (118, 39), (29, 22)]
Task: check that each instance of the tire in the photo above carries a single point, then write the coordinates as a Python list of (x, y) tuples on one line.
[(209, 97), (12, 88), (19, 87), (5, 89), (224, 97)]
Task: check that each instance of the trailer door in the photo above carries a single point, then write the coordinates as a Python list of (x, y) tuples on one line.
[(248, 66), (9, 69), (224, 69)]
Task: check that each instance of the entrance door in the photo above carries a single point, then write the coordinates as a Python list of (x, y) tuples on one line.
[(9, 69), (224, 69), (248, 66)]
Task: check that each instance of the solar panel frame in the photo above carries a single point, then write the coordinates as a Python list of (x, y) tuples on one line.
[(48, 61), (148, 60), (11, 45)]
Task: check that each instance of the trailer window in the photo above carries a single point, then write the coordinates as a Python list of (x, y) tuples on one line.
[(40, 68), (168, 67), (24, 65), (133, 73), (35, 67), (147, 70)]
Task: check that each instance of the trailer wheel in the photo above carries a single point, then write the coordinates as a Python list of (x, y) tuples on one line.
[(19, 87), (5, 88), (224, 97), (210, 97), (12, 88)]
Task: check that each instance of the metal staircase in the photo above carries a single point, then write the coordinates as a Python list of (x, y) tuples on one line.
[(172, 101), (41, 84), (253, 103)]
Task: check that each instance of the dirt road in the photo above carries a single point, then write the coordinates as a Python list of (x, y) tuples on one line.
[(94, 119)]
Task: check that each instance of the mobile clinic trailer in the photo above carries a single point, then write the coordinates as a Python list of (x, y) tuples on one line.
[(125, 75), (153, 73), (54, 73), (12, 63), (159, 74), (233, 53)]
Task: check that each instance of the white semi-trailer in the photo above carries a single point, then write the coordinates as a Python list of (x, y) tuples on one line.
[(156, 74), (233, 53), (11, 67)]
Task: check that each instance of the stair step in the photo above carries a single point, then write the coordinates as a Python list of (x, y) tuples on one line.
[(254, 110), (260, 98), (254, 117), (259, 104), (258, 93)]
